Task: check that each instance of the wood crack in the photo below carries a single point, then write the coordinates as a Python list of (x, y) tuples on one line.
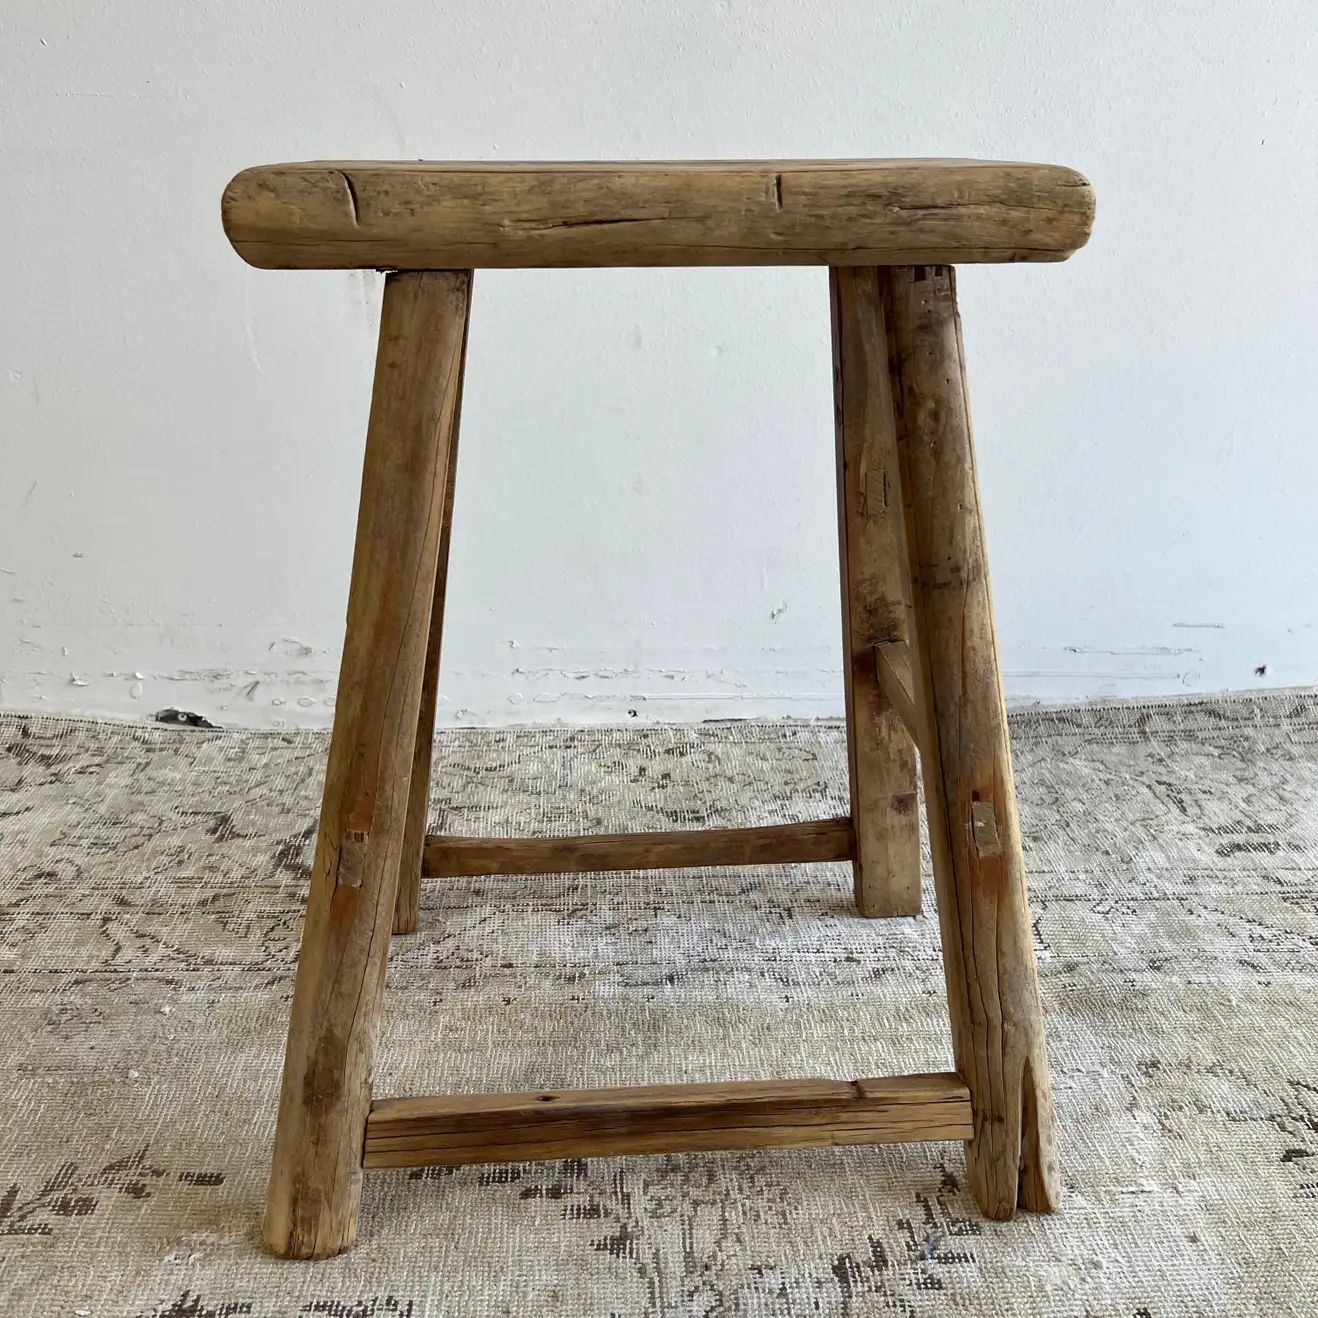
[(353, 205), (551, 226)]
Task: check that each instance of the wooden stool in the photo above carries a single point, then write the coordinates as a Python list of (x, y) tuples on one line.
[(920, 661)]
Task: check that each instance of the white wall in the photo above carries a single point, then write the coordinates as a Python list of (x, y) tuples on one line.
[(645, 513)]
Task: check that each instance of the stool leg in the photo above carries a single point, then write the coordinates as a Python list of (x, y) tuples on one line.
[(315, 1180), (984, 914), (407, 912), (881, 757)]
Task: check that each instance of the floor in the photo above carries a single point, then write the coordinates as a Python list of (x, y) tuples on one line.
[(151, 889)]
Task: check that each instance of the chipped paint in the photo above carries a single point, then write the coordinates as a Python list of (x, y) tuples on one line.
[(1132, 650)]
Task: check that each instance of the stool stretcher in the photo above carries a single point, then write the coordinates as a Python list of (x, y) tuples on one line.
[(456, 1130), (447, 856)]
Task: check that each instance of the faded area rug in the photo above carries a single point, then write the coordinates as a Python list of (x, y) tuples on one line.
[(151, 891)]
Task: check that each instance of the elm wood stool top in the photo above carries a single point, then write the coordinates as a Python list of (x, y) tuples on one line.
[(920, 659)]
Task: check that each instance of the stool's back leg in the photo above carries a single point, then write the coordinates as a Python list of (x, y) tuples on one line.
[(315, 1180), (407, 912), (881, 758), (984, 914)]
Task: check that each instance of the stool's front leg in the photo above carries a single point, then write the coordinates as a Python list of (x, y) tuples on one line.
[(315, 1181), (984, 915)]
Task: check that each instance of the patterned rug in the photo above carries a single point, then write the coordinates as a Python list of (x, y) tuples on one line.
[(151, 890)]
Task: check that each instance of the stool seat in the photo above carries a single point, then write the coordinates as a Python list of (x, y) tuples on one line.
[(424, 215)]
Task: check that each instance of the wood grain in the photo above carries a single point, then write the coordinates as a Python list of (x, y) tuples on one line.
[(871, 539), (892, 664), (773, 844), (979, 872), (407, 910), (455, 1130), (433, 215), (315, 1181)]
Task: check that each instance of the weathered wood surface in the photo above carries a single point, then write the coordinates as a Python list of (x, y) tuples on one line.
[(979, 872), (407, 911), (892, 663), (315, 1180), (773, 844), (871, 538), (455, 1130), (429, 215)]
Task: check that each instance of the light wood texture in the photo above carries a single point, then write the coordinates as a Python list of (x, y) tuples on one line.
[(461, 1129), (407, 910), (419, 215), (984, 915), (315, 1181), (880, 754), (773, 844), (892, 664)]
